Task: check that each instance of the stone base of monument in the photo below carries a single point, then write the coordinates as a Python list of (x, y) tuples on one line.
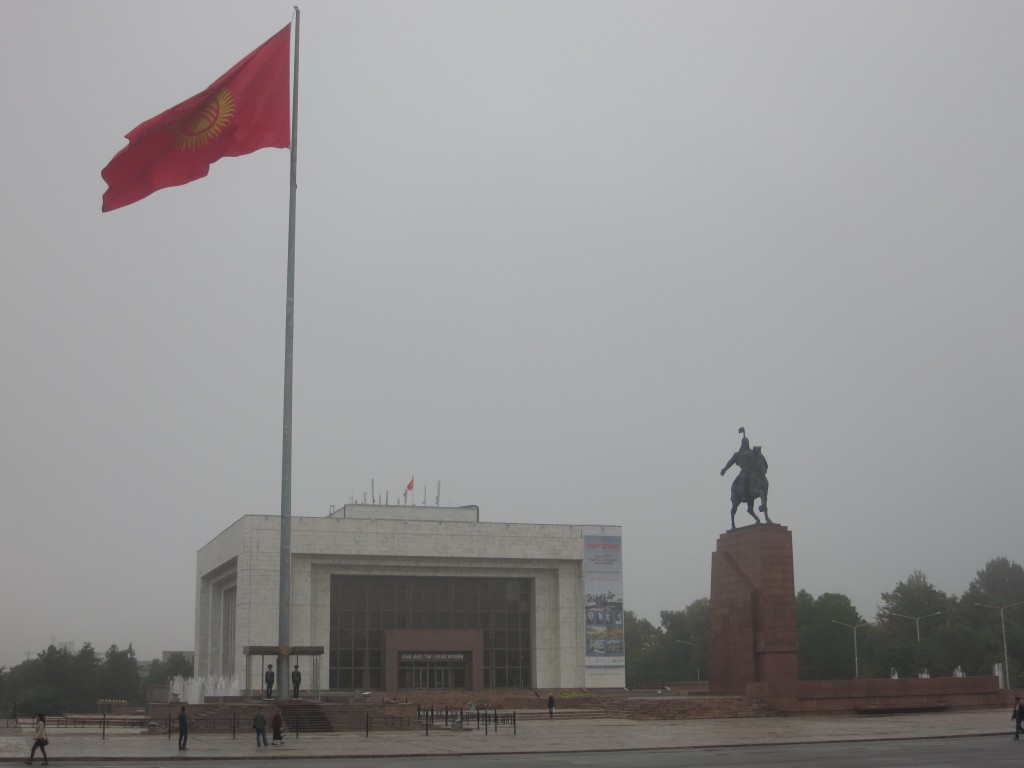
[(753, 637)]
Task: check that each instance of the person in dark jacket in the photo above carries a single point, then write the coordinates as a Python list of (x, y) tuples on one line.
[(1017, 715), (296, 681), (182, 729), (277, 726), (259, 722)]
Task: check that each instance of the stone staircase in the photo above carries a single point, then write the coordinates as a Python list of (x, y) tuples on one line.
[(353, 716), (299, 716), (306, 717)]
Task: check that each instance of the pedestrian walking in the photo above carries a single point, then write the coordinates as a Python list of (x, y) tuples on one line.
[(1017, 716), (259, 722), (551, 706), (39, 740), (296, 681), (183, 729), (277, 725)]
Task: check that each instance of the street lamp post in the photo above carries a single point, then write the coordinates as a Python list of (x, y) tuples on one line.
[(854, 627), (916, 620), (1002, 619)]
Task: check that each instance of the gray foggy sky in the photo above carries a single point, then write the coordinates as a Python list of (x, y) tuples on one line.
[(552, 254)]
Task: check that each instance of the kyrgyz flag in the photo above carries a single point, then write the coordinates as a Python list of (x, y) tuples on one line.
[(245, 110)]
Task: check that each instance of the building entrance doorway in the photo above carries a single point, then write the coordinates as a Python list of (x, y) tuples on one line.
[(432, 675)]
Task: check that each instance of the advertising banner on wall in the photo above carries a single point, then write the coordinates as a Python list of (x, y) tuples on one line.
[(602, 585)]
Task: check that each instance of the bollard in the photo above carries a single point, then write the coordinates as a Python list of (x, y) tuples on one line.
[(514, 730), (234, 726), (367, 725)]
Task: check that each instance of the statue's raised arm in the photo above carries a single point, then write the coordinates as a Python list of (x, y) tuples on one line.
[(731, 463)]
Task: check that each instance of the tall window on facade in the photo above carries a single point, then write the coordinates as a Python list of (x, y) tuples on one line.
[(227, 643), (364, 607)]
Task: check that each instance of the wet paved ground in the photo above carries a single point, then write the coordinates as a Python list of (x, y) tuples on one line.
[(531, 736)]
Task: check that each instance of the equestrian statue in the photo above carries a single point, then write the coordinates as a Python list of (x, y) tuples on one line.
[(752, 481)]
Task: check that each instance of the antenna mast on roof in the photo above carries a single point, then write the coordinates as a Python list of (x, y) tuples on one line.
[(437, 500)]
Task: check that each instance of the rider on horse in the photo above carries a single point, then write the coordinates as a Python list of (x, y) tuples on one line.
[(752, 481), (744, 459)]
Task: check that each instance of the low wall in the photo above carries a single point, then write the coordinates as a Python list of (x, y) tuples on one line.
[(852, 696)]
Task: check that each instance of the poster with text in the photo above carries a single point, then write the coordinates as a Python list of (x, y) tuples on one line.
[(602, 585)]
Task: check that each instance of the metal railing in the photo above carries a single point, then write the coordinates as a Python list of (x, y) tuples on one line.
[(94, 721), (451, 718)]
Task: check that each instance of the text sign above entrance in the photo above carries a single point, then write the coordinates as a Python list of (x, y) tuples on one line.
[(428, 656)]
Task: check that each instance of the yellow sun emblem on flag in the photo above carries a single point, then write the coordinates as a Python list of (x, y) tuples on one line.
[(207, 122)]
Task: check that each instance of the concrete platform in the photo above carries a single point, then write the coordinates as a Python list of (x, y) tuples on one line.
[(554, 735)]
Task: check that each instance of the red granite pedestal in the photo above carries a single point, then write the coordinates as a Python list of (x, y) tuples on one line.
[(753, 637)]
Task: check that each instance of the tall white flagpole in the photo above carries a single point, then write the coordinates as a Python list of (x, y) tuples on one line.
[(285, 581)]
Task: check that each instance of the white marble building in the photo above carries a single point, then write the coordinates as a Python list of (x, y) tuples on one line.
[(406, 597)]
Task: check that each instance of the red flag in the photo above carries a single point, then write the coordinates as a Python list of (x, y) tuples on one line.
[(409, 486), (245, 110)]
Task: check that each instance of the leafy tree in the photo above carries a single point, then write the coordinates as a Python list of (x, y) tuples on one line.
[(119, 675), (159, 672), (643, 644), (686, 640), (913, 630), (826, 647), (1001, 581), (54, 666), (58, 682), (83, 681), (37, 685), (42, 698), (999, 585), (965, 643)]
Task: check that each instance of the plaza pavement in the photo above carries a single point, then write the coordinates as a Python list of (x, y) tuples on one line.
[(540, 735)]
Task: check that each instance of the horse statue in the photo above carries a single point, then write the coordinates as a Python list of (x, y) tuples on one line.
[(752, 481)]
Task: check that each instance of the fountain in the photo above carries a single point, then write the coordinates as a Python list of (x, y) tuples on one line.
[(194, 690)]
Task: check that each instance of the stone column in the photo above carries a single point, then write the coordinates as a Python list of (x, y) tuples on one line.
[(753, 637)]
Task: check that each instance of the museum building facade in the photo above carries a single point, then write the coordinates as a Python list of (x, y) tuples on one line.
[(416, 597)]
